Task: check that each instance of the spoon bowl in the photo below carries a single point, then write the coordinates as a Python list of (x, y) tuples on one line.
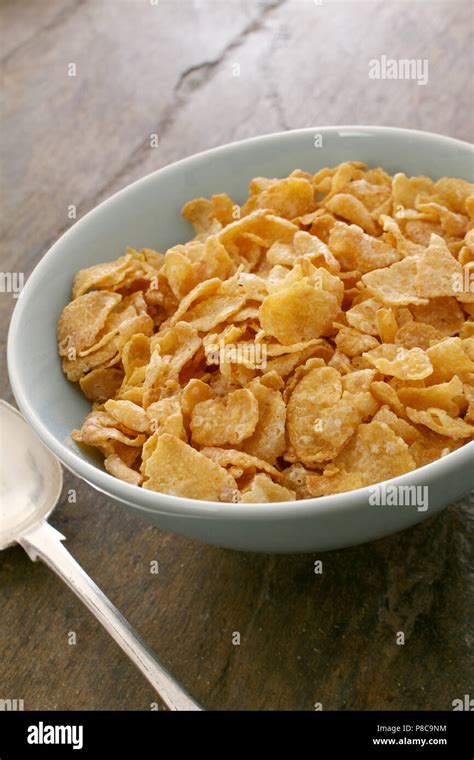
[(31, 478)]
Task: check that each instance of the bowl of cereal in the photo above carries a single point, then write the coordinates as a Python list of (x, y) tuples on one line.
[(268, 346)]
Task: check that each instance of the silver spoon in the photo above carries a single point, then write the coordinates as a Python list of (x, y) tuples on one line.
[(30, 485)]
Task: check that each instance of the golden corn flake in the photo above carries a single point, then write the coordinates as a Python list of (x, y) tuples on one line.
[(374, 454), (406, 364), (449, 357), (240, 459), (82, 320), (267, 440), (416, 335), (166, 416), (178, 469), (431, 446), (287, 364), (400, 427), (436, 270), (351, 208), (101, 384), (467, 330), (315, 250), (193, 393), (396, 284), (200, 213), (387, 325), (207, 314), (298, 313), (100, 276), (101, 429), (294, 478), (406, 191), (128, 414), (287, 198), (363, 316), (218, 422), (262, 488), (386, 394), (134, 267), (444, 314), (321, 417), (314, 339), (266, 227), (352, 342), (356, 250), (358, 381), (455, 192), (441, 422), (447, 396), (119, 469)]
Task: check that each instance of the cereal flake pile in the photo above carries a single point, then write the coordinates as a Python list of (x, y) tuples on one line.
[(317, 339)]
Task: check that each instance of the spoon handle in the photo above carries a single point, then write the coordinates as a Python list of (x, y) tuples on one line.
[(44, 542)]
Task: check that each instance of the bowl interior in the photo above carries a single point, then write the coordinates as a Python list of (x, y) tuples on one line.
[(147, 213)]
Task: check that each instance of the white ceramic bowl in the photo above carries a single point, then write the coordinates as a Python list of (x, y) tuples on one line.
[(147, 213)]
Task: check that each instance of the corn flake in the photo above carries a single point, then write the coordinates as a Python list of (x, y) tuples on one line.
[(177, 469), (218, 422), (406, 364)]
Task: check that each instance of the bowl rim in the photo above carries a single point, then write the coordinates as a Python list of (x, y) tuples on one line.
[(160, 503)]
